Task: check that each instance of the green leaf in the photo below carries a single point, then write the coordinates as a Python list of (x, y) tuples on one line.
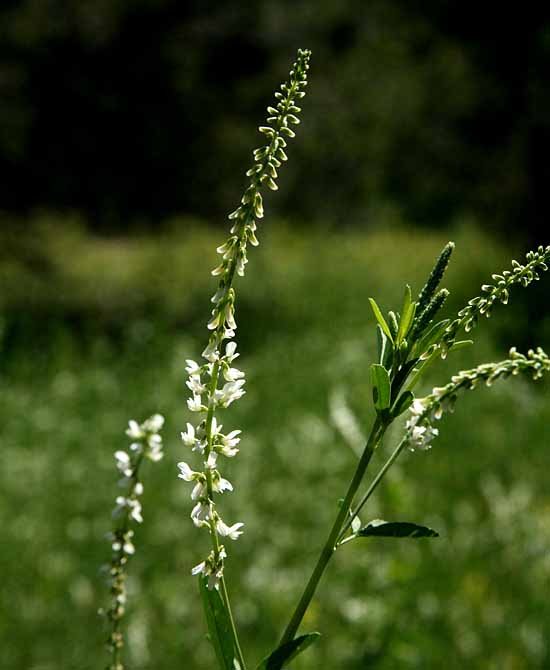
[(381, 387), (286, 652), (379, 528), (219, 625), (402, 404), (385, 348), (407, 315), (381, 320), (431, 336)]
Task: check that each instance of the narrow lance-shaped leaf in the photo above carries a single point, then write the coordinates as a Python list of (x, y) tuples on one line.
[(407, 315), (219, 625), (380, 318), (380, 528), (288, 651)]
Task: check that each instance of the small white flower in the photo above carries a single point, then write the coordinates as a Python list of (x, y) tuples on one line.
[(219, 295), (186, 473), (155, 453), (134, 430), (229, 443), (230, 350), (194, 403), (230, 392), (199, 569), (228, 452), (233, 532), (135, 513), (138, 488), (232, 374), (194, 384), (241, 262), (422, 436), (154, 423), (188, 437), (210, 463), (229, 313), (199, 490), (211, 352), (123, 463), (200, 514), (215, 429), (227, 247), (192, 368), (214, 321), (154, 441), (128, 547), (219, 484), (231, 439)]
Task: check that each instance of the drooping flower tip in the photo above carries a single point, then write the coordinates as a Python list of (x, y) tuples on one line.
[(233, 532)]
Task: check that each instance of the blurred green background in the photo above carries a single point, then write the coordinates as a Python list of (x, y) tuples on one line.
[(124, 135)]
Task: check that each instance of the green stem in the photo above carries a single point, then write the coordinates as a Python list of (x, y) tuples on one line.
[(330, 545), (213, 534), (371, 490), (225, 598)]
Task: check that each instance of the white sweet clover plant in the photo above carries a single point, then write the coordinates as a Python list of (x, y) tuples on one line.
[(146, 444), (409, 342)]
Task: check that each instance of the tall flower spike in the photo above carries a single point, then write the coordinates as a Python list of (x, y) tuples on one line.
[(436, 275), (467, 318), (423, 411), (146, 443), (216, 384)]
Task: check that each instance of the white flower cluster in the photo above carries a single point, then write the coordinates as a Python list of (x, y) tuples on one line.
[(419, 429), (146, 443), (216, 383), (537, 261), (208, 440)]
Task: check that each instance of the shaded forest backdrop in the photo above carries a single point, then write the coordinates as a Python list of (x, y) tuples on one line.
[(130, 112)]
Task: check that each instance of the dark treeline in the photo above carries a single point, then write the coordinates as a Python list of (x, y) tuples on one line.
[(136, 110)]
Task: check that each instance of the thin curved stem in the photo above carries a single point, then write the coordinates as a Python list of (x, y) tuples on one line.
[(371, 490), (225, 598)]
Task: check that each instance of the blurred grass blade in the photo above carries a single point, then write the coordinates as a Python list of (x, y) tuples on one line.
[(379, 528), (380, 318), (286, 652), (219, 625)]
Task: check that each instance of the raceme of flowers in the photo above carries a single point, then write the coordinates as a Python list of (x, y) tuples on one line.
[(499, 292), (419, 429), (216, 384), (146, 443)]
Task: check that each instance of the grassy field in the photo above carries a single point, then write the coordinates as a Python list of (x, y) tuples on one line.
[(96, 332)]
